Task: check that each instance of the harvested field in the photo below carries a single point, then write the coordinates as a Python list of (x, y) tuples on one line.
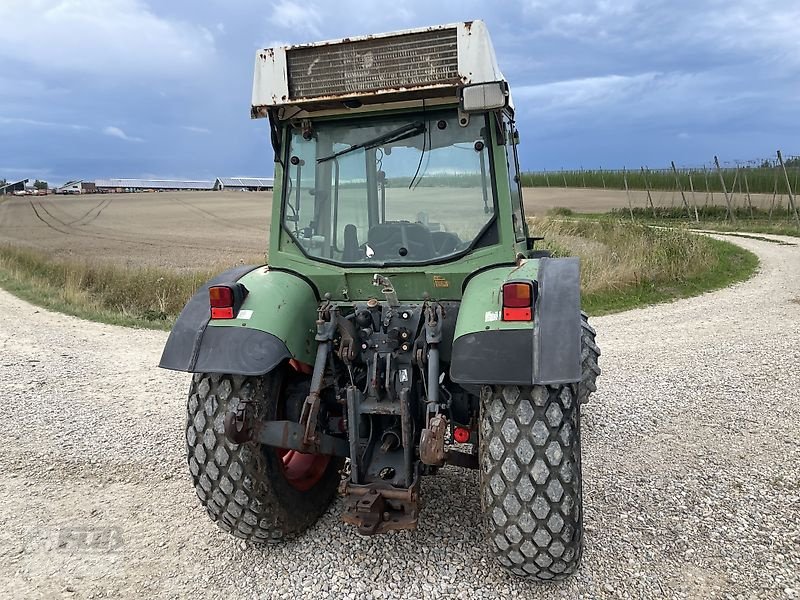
[(180, 230), (202, 230)]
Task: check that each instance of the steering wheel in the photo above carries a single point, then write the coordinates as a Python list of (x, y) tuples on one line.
[(400, 239)]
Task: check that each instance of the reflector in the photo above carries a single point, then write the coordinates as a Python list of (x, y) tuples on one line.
[(517, 314), (222, 312), (461, 435)]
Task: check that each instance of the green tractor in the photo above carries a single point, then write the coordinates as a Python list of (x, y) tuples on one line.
[(404, 321)]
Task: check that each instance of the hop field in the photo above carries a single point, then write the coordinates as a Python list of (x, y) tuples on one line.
[(759, 180)]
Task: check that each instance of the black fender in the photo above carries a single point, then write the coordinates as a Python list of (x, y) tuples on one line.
[(544, 352), (194, 347)]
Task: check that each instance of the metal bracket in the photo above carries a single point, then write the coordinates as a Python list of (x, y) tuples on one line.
[(386, 288), (433, 323), (308, 418), (431, 442), (463, 117)]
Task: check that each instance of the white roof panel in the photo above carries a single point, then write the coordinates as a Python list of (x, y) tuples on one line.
[(156, 184), (247, 181)]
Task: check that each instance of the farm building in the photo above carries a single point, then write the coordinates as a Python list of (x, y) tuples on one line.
[(77, 187), (249, 184), (11, 188), (151, 185)]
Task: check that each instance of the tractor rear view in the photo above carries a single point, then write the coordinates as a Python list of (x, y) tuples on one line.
[(405, 320)]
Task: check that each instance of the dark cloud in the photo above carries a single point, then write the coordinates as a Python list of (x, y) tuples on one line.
[(123, 87)]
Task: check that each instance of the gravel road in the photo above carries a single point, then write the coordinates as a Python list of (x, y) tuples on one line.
[(691, 466)]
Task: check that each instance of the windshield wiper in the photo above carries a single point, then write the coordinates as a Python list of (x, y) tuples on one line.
[(402, 133)]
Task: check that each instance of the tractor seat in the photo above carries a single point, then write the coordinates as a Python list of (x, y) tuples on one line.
[(351, 251), (401, 240)]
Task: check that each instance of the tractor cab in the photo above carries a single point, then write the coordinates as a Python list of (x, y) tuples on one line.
[(405, 159)]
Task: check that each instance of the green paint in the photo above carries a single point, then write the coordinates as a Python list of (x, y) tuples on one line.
[(283, 305), (481, 307)]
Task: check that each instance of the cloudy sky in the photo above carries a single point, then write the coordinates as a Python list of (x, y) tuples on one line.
[(133, 88)]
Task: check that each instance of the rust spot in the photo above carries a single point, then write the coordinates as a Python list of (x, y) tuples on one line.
[(514, 270), (468, 25)]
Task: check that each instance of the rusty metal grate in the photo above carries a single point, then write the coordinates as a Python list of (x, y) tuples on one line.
[(410, 60)]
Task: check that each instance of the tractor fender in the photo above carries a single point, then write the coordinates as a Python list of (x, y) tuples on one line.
[(275, 322), (545, 351)]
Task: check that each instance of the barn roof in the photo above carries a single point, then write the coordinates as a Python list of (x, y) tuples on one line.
[(161, 184), (246, 181), (12, 184)]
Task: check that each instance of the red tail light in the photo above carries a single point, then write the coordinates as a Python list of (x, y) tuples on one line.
[(225, 300), (220, 296), (518, 301)]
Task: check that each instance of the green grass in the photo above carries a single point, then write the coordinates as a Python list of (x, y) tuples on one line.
[(760, 180), (626, 265), (733, 264), (150, 298)]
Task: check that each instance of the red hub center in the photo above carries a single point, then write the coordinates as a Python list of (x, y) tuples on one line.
[(302, 471)]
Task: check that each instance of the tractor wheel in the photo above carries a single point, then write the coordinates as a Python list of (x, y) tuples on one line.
[(255, 492), (530, 475), (590, 355)]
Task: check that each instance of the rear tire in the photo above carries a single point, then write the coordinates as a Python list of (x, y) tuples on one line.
[(246, 488), (590, 357), (530, 477)]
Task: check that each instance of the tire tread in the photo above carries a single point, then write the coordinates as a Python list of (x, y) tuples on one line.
[(530, 471)]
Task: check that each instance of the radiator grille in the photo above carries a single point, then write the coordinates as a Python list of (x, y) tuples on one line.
[(410, 60)]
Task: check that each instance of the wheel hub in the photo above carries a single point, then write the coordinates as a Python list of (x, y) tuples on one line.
[(302, 471)]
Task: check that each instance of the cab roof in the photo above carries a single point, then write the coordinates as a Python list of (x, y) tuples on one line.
[(428, 65)]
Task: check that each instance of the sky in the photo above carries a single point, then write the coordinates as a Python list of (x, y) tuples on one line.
[(130, 88)]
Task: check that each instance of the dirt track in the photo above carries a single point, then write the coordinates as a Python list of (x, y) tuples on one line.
[(691, 470), (192, 230)]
